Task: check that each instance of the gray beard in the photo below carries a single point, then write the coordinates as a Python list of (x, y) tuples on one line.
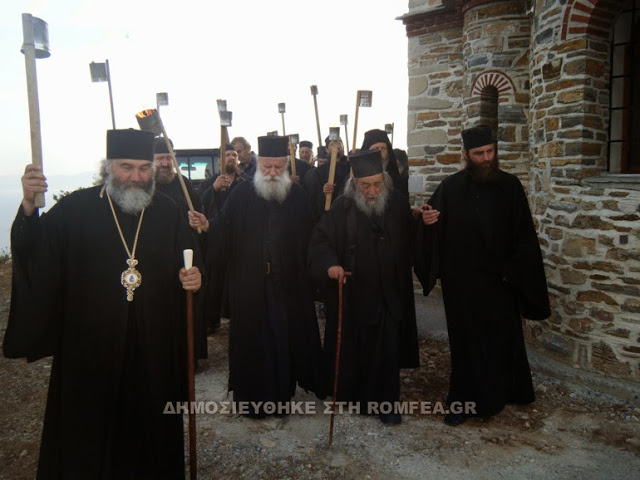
[(272, 188), (164, 177), (131, 197), (369, 209)]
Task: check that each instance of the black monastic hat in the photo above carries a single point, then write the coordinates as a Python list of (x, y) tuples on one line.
[(375, 136), (477, 137), (130, 144), (160, 146), (323, 153), (273, 146), (228, 147), (366, 163), (305, 143)]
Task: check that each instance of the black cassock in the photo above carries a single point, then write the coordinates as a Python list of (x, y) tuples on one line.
[(379, 333), (274, 341), (115, 363), (485, 250)]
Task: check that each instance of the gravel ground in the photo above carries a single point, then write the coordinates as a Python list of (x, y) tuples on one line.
[(570, 431)]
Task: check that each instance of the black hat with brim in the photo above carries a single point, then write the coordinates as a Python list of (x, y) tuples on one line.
[(160, 146), (130, 144), (273, 146), (477, 137), (306, 143), (366, 163)]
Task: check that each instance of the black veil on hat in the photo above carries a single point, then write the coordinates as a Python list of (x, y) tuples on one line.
[(273, 146), (130, 144), (475, 137), (160, 146), (366, 163)]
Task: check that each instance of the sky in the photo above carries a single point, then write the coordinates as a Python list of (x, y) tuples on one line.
[(253, 53)]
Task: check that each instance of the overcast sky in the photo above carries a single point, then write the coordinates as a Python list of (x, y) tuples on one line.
[(253, 53)]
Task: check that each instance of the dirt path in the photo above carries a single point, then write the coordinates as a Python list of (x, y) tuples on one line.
[(563, 434)]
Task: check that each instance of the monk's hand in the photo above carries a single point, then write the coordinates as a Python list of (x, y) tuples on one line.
[(295, 178), (337, 273), (198, 221), (429, 214), (221, 182), (328, 188), (191, 279), (33, 181)]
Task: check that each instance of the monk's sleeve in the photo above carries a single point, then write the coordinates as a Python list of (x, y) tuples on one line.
[(36, 301), (525, 271), (323, 249), (427, 246)]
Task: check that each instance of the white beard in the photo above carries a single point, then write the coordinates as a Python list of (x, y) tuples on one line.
[(131, 197), (272, 188), (369, 209)]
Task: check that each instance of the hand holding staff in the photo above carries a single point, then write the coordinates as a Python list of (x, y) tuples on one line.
[(342, 278), (193, 459), (334, 136)]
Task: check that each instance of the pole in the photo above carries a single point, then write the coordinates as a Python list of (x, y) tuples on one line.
[(346, 137), (355, 123), (292, 155), (113, 116), (332, 175), (284, 132), (314, 92), (32, 95), (337, 366), (223, 151), (193, 459)]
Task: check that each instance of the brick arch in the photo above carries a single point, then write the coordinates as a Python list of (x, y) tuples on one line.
[(588, 16), (493, 78)]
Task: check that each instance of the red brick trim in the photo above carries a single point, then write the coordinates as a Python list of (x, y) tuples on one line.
[(494, 78)]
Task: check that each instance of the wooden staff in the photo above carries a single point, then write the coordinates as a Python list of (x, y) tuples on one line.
[(337, 366), (333, 137), (193, 459), (293, 141), (314, 92), (30, 55), (150, 120), (224, 139)]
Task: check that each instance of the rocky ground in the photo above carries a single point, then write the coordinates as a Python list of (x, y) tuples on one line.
[(569, 431)]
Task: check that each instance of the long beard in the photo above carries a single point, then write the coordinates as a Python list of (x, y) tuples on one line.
[(165, 175), (272, 188), (231, 168), (377, 207), (130, 196), (485, 172)]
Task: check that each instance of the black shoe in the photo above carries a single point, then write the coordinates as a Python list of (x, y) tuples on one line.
[(391, 418), (454, 419)]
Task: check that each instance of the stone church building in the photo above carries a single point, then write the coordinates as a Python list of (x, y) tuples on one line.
[(559, 82)]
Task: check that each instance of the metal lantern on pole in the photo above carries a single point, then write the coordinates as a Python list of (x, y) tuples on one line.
[(282, 108), (35, 45), (162, 100), (388, 128), (314, 92), (344, 121), (100, 73), (363, 99)]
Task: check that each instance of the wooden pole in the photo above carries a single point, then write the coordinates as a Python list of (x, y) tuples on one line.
[(315, 105), (346, 137), (337, 365), (332, 174), (355, 123), (193, 459), (113, 115), (29, 49), (284, 132), (224, 135), (292, 155)]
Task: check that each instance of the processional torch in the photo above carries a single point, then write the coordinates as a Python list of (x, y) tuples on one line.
[(363, 99), (334, 137), (35, 44), (225, 122), (150, 121)]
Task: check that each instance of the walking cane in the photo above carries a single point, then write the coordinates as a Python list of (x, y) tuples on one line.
[(193, 459), (337, 370)]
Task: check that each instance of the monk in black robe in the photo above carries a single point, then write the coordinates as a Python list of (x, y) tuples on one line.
[(116, 363), (263, 233), (480, 241), (368, 231)]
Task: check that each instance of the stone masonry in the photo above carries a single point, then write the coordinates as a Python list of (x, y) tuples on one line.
[(548, 62)]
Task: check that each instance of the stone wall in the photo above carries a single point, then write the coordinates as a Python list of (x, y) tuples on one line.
[(552, 63)]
